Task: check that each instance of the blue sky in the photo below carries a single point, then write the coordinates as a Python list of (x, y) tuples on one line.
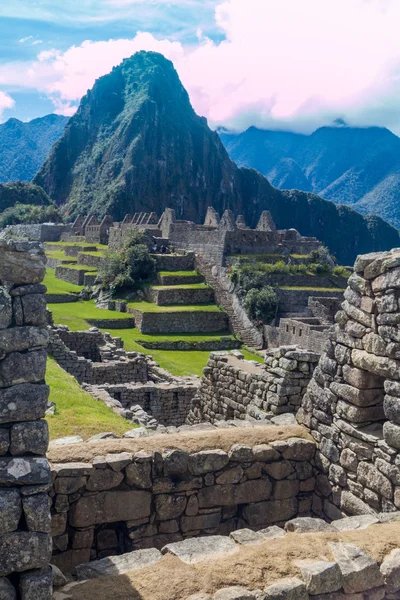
[(280, 64)]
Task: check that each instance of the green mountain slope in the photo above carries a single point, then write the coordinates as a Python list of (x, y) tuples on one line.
[(24, 146), (348, 165), (136, 144)]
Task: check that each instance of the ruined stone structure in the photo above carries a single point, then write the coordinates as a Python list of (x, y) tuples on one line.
[(352, 403), (121, 502), (25, 543), (41, 232)]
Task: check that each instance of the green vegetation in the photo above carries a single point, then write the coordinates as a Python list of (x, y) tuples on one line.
[(152, 307), (261, 305), (75, 315), (81, 268), (29, 213), (59, 255), (19, 192), (177, 273), (182, 337), (77, 412), (184, 286), (58, 286)]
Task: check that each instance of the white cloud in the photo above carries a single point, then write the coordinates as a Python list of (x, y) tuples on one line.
[(282, 64), (6, 102), (26, 39)]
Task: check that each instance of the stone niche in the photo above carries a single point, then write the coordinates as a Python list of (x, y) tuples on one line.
[(352, 404), (25, 478), (124, 502)]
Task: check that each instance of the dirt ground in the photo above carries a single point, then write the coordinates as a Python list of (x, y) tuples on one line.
[(193, 441), (253, 567)]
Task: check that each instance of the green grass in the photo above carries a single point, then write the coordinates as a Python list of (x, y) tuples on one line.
[(311, 288), (178, 273), (77, 412), (182, 337), (81, 268), (98, 253), (152, 307), (58, 286), (60, 255), (75, 244), (185, 286), (75, 315)]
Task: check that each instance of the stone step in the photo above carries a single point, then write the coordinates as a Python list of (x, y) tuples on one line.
[(167, 296), (183, 278), (196, 321), (175, 262)]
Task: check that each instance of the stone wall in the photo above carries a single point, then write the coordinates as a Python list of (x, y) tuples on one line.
[(174, 262), (90, 260), (75, 276), (352, 403), (236, 389), (122, 502), (25, 543), (224, 343), (117, 366), (180, 322), (296, 301), (46, 232), (302, 332), (165, 297)]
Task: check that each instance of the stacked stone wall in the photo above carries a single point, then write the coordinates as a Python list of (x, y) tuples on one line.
[(180, 322), (25, 543), (123, 502), (236, 389), (352, 403), (307, 335), (296, 301), (166, 297)]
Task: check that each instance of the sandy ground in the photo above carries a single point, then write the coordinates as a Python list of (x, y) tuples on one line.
[(193, 441), (253, 567)]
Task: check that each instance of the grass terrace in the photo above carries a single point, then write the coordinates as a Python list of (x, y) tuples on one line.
[(144, 306), (58, 286), (81, 268), (184, 286), (75, 315), (77, 412), (60, 255), (79, 244)]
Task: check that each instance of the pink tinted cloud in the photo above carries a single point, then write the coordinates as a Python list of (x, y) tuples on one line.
[(6, 102), (283, 63)]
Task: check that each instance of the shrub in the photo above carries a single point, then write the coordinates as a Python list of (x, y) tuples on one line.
[(261, 304), (140, 265), (321, 269), (341, 272), (29, 213), (321, 255)]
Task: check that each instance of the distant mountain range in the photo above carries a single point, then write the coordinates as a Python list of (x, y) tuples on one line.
[(359, 167), (136, 144), (24, 146)]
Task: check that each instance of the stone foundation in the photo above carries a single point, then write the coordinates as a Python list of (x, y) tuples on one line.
[(122, 502), (25, 544)]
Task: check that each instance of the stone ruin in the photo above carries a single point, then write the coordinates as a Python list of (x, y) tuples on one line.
[(25, 478)]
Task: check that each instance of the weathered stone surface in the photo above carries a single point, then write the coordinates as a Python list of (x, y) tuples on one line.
[(139, 474), (355, 414), (265, 453), (36, 585), (207, 461), (245, 537), (5, 309), (25, 402), (19, 368), (74, 469), (37, 512), (233, 475), (390, 570), (240, 453), (320, 577), (391, 279), (34, 309), (58, 524), (279, 469), (24, 471), (21, 551), (21, 267), (234, 593), (361, 379), (118, 461), (103, 479), (7, 590), (391, 433), (69, 485), (169, 506), (360, 572), (391, 406), (352, 505), (369, 476), (29, 438), (59, 579), (286, 589), (83, 538), (195, 550), (262, 513), (118, 565), (18, 339), (378, 365), (228, 495), (4, 441), (206, 521), (273, 532), (175, 463), (307, 524), (299, 449), (358, 397), (109, 507), (356, 522), (10, 509)]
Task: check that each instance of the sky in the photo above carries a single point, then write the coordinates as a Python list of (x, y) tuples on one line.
[(276, 64)]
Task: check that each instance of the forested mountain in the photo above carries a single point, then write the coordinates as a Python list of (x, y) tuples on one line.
[(359, 167), (136, 144), (24, 146)]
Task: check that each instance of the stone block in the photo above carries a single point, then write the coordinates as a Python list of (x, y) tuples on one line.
[(320, 577), (118, 565), (195, 550), (228, 495), (391, 434), (261, 514), (18, 339), (169, 506), (240, 453), (369, 476), (17, 368), (117, 462), (24, 471), (279, 469), (139, 474), (356, 522), (21, 267), (361, 379), (37, 512), (58, 524), (246, 537), (207, 461), (68, 561), (34, 309), (7, 590), (83, 538), (307, 524), (36, 585), (29, 438), (286, 589), (352, 505), (103, 479), (110, 507), (69, 485), (360, 572), (22, 551), (265, 453), (234, 593), (5, 308), (25, 402), (299, 450), (10, 509), (206, 521), (390, 570), (233, 475), (391, 407), (175, 463), (273, 532)]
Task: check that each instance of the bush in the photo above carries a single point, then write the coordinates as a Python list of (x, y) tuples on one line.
[(140, 265), (261, 304), (321, 269), (29, 213), (341, 272), (321, 255)]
